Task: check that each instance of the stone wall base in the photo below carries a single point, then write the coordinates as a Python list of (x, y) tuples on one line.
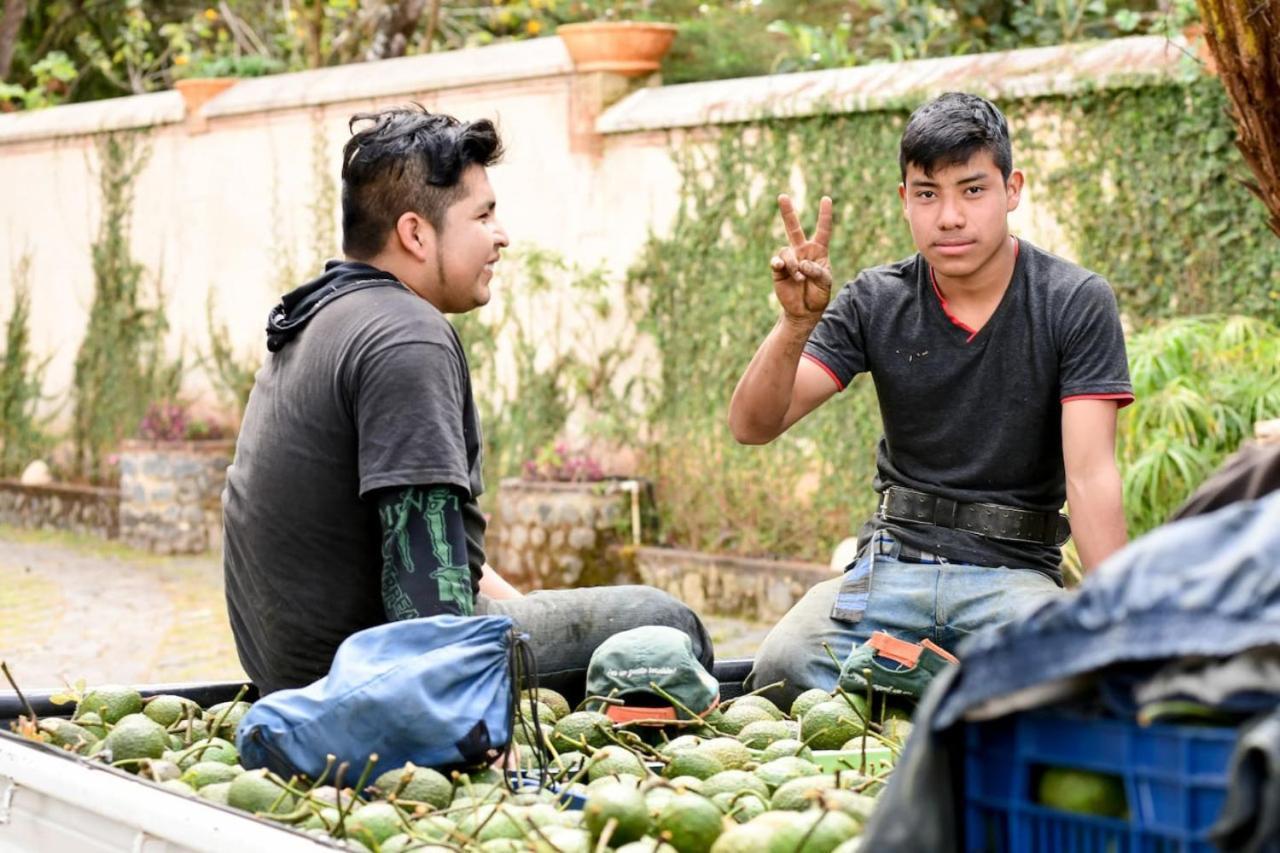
[(552, 535), (77, 509), (171, 495), (763, 590)]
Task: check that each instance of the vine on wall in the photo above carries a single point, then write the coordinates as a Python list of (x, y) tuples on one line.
[(24, 434), (1152, 195), (538, 363), (121, 367)]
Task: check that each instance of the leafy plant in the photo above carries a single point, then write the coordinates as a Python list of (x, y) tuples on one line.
[(23, 433), (1152, 196), (231, 66), (559, 462), (1201, 383), (53, 76), (815, 46), (231, 374), (121, 366), (721, 43), (563, 344), (164, 421)]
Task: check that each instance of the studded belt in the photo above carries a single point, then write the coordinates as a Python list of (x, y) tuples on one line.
[(995, 521)]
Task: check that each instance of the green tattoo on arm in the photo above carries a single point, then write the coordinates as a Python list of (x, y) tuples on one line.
[(422, 529)]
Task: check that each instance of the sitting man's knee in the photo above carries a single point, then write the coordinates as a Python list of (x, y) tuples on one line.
[(778, 666), (659, 607)]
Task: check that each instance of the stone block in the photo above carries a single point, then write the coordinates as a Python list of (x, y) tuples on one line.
[(184, 468), (582, 538), (571, 511), (568, 572)]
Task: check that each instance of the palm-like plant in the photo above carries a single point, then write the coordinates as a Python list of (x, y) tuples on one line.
[(1201, 383)]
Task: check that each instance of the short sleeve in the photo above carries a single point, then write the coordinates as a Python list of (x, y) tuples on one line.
[(409, 400), (1093, 364), (836, 342)]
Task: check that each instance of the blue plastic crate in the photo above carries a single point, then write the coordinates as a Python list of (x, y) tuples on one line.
[(1175, 781)]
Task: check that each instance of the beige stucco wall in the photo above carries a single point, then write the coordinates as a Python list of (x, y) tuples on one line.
[(228, 201)]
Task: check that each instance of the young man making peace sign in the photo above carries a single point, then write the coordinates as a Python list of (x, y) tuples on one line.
[(999, 368)]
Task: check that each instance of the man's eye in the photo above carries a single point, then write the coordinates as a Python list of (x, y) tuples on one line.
[(925, 194), (975, 190)]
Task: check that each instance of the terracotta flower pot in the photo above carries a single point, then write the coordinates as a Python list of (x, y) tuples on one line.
[(629, 48), (197, 91)]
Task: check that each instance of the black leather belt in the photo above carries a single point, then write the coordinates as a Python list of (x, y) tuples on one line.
[(991, 520)]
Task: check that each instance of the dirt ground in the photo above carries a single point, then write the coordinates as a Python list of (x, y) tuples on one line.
[(76, 607)]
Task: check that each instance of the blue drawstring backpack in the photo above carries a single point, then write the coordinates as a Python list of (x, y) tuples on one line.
[(436, 691)]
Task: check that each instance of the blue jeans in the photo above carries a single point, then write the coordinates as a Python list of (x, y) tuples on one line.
[(943, 601)]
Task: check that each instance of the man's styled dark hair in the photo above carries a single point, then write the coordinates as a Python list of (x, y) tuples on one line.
[(952, 128), (406, 160)]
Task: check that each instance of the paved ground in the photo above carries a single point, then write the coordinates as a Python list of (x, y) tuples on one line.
[(75, 607)]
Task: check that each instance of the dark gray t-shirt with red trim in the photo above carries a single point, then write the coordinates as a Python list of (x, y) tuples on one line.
[(977, 416)]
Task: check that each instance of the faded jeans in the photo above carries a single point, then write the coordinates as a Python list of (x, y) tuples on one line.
[(944, 602), (566, 625)]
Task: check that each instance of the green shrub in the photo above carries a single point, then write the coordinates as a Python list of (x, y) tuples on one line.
[(23, 436), (1201, 383)]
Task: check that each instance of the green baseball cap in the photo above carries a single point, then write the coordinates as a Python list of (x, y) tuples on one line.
[(629, 664)]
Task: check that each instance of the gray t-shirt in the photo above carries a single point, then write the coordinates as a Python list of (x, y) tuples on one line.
[(976, 417), (374, 392)]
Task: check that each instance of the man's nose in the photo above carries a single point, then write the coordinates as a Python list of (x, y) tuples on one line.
[(951, 217)]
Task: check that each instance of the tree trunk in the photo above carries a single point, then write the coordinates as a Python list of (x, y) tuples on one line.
[(433, 21), (10, 24), (394, 23), (315, 34), (1244, 37)]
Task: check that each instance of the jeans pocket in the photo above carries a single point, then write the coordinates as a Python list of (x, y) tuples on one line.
[(855, 590)]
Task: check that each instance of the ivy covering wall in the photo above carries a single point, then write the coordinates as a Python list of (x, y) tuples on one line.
[(1151, 196)]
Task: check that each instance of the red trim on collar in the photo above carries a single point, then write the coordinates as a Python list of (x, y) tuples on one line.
[(955, 321), (973, 333)]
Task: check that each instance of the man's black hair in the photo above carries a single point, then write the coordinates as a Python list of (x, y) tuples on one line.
[(950, 129), (407, 160)]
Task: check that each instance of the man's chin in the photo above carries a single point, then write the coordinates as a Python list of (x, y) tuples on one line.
[(956, 267), (952, 267)]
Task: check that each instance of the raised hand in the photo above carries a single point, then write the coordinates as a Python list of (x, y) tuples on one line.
[(801, 269)]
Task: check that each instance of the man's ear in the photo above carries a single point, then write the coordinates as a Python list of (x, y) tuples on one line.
[(902, 196), (415, 235), (1013, 189)]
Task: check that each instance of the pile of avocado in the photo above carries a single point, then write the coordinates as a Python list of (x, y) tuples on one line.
[(746, 777)]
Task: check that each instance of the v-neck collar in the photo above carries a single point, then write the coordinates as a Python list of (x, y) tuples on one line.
[(1004, 299)]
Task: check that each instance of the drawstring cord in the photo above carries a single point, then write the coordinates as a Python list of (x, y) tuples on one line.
[(523, 666)]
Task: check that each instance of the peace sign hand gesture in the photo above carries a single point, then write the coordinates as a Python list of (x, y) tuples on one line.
[(801, 269)]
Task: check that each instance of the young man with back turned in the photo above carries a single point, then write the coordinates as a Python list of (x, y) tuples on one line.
[(352, 500), (999, 369)]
